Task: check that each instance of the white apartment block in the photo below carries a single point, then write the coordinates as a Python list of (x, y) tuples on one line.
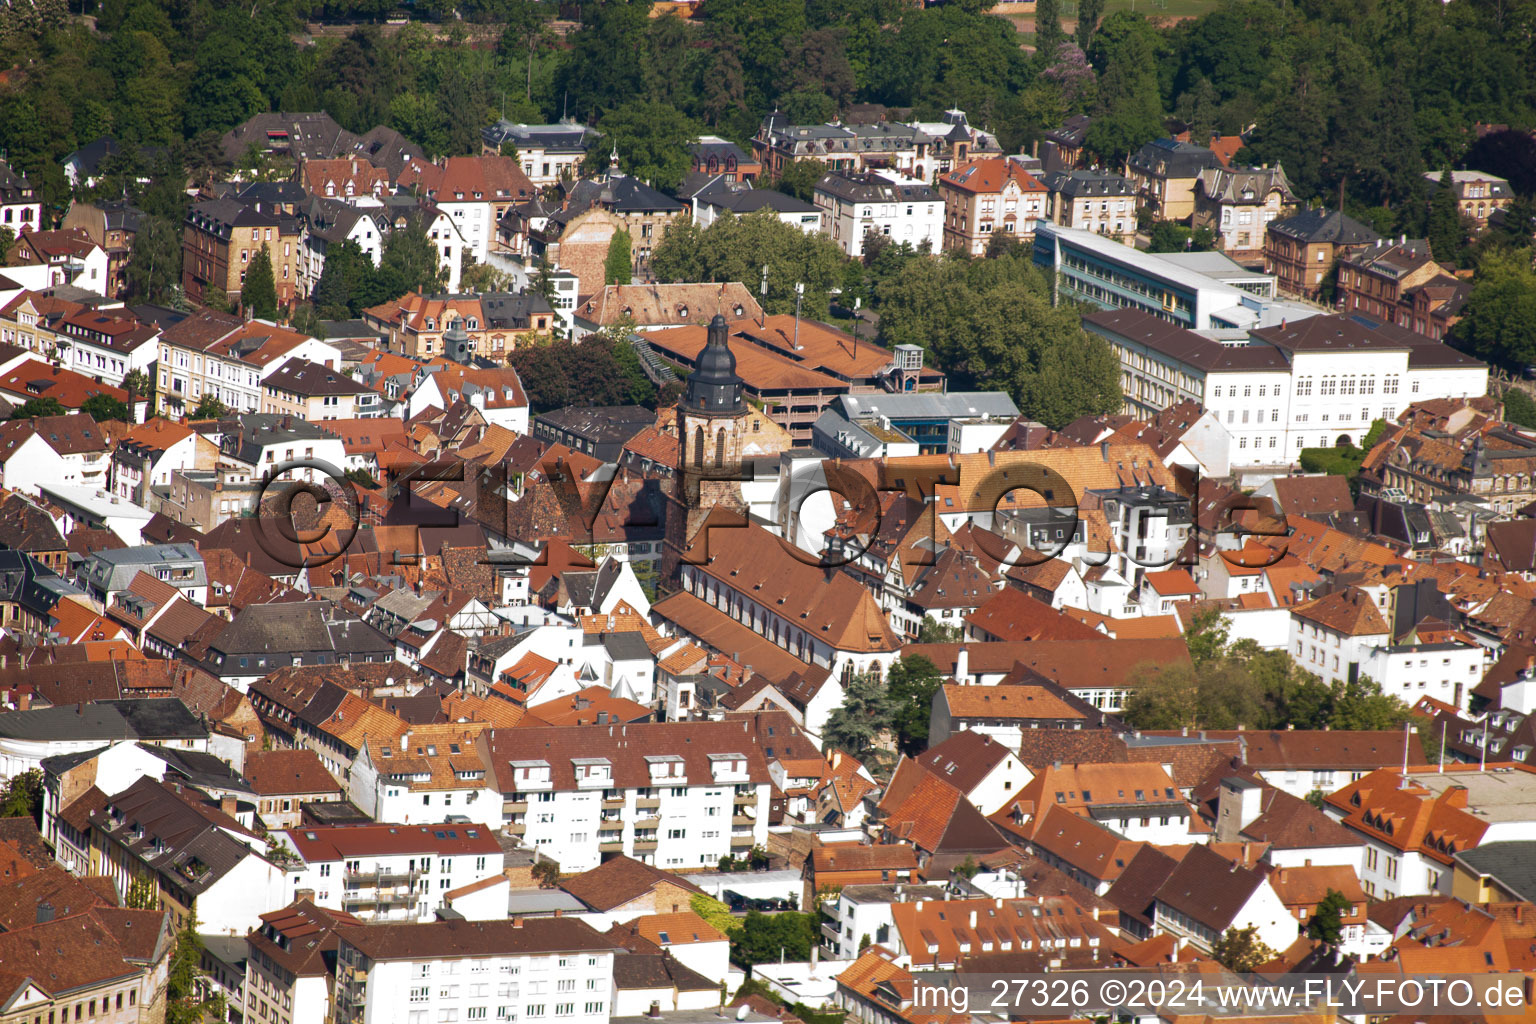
[(390, 872), (1444, 671), (883, 202), (672, 795), (1312, 383), (549, 970)]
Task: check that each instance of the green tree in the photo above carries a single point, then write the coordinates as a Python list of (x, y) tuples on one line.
[(857, 725), (766, 938), (1166, 698), (1088, 14), (138, 384), (618, 267), (216, 299), (652, 141), (1240, 950), (932, 631), (182, 1003), (105, 407), (1519, 409), (910, 688), (1048, 31), (598, 370), (258, 293), (409, 264), (526, 31), (1499, 320), (1327, 921), (737, 248), (38, 407), (1445, 228), (24, 796), (799, 178), (991, 325), (1207, 636), (154, 264), (143, 894), (209, 408), (546, 873), (344, 281)]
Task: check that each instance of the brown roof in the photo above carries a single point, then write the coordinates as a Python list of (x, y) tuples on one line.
[(1012, 615), (1083, 843), (1317, 749), (441, 939), (616, 882), (1313, 495), (72, 434), (669, 305), (988, 176), (288, 772), (1016, 702), (966, 758), (1350, 612), (345, 842), (1208, 888), (300, 936), (1138, 884), (863, 857)]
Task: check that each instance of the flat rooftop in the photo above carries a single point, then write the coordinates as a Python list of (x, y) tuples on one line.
[(1496, 795)]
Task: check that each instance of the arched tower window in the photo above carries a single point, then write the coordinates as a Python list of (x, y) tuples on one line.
[(698, 447), (720, 448)]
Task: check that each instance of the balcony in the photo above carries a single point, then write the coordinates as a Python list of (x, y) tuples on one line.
[(746, 800), (743, 819), (645, 846), (515, 807), (831, 934), (613, 803), (648, 821), (615, 845), (738, 842), (517, 829), (648, 803), (381, 878)]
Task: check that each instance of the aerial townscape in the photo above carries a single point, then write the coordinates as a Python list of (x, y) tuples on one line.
[(693, 511)]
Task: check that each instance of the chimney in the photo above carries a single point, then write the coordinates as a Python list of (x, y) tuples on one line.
[(1283, 872), (962, 665), (228, 805), (44, 912), (655, 1010), (517, 922)]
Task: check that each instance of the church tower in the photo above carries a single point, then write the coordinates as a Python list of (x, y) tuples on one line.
[(717, 428)]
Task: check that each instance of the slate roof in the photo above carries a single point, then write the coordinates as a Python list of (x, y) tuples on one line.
[(163, 718), (1320, 225), (1512, 865)]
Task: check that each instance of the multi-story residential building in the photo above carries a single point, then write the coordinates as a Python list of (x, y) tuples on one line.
[(216, 356), (1302, 251), (1331, 635), (203, 862), (1061, 148), (106, 573), (316, 392), (674, 795), (222, 236), (1206, 894), (474, 191), (70, 450), (1238, 204), (390, 872), (30, 321), (70, 254), (723, 196), (496, 393), (350, 179), (20, 207), (284, 780), (147, 456), (856, 204), (1164, 172), (987, 197), (1497, 467), (494, 323), (113, 225), (290, 965), (1414, 823), (1478, 193), (330, 222), (526, 969), (923, 150), (547, 152), (1092, 201), (1311, 383), (713, 156), (107, 345), (1400, 282)]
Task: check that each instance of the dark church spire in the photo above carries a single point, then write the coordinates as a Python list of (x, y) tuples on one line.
[(713, 386)]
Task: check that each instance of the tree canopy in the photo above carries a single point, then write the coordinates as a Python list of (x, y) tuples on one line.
[(990, 324)]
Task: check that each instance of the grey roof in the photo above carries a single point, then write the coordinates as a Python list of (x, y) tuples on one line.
[(200, 769), (342, 329), (173, 833), (1088, 183), (246, 437), (868, 187), (624, 193), (626, 647), (1168, 158), (561, 137), (114, 570), (157, 718), (928, 405), (297, 628), (542, 901), (1320, 225), (749, 200), (1244, 184), (1512, 864), (599, 424)]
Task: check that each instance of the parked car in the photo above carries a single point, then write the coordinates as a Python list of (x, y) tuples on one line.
[(736, 901)]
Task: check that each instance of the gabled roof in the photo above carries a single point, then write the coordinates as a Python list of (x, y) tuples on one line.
[(619, 881), (1208, 888)]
